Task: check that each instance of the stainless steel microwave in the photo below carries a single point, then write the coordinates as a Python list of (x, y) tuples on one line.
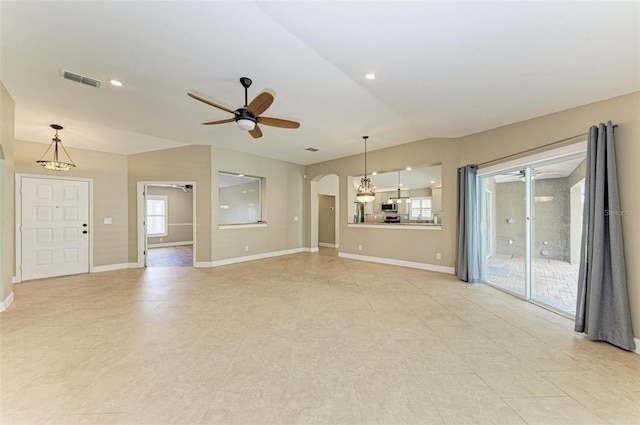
[(393, 207)]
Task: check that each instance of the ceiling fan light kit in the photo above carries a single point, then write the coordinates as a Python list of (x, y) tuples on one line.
[(366, 191), (55, 163), (246, 124), (248, 117)]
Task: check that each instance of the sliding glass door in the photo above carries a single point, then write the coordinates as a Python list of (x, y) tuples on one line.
[(503, 227), (531, 230)]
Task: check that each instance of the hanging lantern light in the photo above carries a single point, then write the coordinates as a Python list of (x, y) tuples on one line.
[(55, 163), (366, 191)]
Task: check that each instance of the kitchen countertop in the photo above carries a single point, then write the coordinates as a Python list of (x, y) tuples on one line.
[(405, 225)]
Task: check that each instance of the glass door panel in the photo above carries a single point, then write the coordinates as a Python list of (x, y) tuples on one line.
[(503, 231), (558, 195)]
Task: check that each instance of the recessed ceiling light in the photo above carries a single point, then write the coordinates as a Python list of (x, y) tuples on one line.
[(115, 83), (370, 76), (375, 173), (433, 181), (408, 168)]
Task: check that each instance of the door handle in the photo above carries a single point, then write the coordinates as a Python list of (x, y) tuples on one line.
[(84, 225), (84, 232)]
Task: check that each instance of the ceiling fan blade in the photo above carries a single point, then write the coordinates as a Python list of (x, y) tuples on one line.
[(256, 132), (208, 102), (260, 103), (277, 122), (219, 121)]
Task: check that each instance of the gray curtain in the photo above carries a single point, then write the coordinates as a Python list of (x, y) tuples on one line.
[(602, 310), (468, 233)]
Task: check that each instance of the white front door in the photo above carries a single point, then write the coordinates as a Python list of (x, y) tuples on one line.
[(54, 227)]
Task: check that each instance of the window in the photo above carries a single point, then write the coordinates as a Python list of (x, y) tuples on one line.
[(421, 208), (240, 199), (157, 215)]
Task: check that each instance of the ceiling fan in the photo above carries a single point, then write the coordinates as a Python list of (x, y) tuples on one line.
[(248, 117), (521, 174)]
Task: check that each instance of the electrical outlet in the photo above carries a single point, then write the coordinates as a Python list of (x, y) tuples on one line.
[(438, 256), (246, 248), (359, 247)]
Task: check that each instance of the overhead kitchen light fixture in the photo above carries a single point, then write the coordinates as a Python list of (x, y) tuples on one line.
[(366, 191), (55, 163), (399, 199)]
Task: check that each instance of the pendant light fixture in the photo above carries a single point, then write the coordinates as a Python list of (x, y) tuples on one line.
[(399, 199), (366, 191), (55, 163)]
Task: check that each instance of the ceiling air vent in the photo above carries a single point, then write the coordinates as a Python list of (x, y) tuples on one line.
[(312, 149), (67, 75)]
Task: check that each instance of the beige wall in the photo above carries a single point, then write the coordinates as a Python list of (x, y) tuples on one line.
[(418, 246), (109, 174), (624, 111), (183, 164), (282, 196), (7, 191), (201, 164)]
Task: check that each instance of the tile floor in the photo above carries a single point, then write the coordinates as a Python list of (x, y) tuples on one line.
[(555, 282), (300, 339)]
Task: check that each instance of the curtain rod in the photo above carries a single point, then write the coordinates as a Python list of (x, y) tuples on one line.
[(557, 142)]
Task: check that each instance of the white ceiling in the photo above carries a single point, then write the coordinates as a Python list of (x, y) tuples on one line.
[(444, 69)]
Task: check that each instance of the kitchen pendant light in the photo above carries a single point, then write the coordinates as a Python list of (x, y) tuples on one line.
[(55, 163), (399, 199), (366, 191)]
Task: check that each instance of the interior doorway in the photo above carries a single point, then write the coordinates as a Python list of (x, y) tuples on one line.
[(327, 221), (324, 185), (166, 230)]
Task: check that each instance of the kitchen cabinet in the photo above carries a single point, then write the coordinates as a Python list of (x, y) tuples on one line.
[(377, 203), (436, 196), (368, 207)]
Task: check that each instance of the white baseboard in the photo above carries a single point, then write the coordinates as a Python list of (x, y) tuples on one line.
[(6, 303), (402, 263), (168, 244), (316, 249), (253, 257), (637, 341), (328, 245)]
